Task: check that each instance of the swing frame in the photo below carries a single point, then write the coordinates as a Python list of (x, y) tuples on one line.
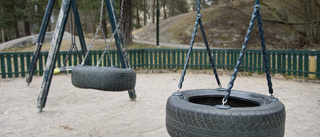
[(56, 43)]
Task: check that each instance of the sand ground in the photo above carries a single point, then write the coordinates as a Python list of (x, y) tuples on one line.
[(71, 111)]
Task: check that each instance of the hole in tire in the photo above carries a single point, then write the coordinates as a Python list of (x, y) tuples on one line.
[(232, 101)]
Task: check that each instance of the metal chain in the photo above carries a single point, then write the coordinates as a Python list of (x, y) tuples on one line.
[(123, 34), (188, 54), (96, 33), (264, 52), (198, 21), (244, 46), (105, 50), (190, 47), (209, 54), (119, 32)]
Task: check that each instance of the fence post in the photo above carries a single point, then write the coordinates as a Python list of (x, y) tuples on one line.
[(294, 61), (3, 66), (167, 54), (279, 62), (284, 62), (22, 70), (196, 59), (9, 69), (312, 65), (300, 64), (15, 64), (142, 55), (318, 64), (306, 64), (274, 62), (146, 65), (289, 70)]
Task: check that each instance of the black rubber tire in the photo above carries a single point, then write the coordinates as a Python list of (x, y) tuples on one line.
[(103, 78), (251, 115)]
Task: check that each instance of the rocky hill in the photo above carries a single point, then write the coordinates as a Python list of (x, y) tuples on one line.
[(225, 27)]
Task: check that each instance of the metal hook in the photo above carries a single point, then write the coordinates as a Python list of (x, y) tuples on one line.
[(224, 101), (178, 93), (223, 106)]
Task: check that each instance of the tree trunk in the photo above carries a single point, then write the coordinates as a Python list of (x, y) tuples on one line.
[(138, 17), (49, 26), (16, 28), (27, 29), (164, 11), (26, 24), (2, 35), (7, 31), (127, 22), (317, 24), (104, 23), (153, 10), (104, 27), (144, 13), (171, 8)]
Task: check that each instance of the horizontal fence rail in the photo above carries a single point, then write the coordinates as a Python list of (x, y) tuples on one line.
[(288, 62)]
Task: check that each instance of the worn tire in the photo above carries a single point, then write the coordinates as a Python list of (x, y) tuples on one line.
[(251, 115), (103, 78)]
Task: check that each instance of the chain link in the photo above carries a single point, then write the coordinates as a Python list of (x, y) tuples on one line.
[(198, 22), (209, 54), (124, 45), (106, 49), (188, 54), (96, 33), (255, 14), (198, 6), (264, 52), (121, 33)]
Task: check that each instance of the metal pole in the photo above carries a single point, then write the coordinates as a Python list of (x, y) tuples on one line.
[(54, 50), (42, 33), (117, 37), (158, 14), (118, 40), (80, 32)]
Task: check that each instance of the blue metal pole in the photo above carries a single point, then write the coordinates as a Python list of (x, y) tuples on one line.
[(53, 53), (158, 14), (118, 40), (117, 37), (80, 32), (42, 33)]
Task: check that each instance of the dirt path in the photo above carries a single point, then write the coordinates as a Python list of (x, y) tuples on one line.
[(71, 111), (171, 45)]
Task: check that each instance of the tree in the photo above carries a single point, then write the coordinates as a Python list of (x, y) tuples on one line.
[(163, 5), (177, 7), (153, 10), (126, 21)]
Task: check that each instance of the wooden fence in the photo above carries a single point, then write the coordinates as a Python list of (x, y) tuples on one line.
[(288, 62)]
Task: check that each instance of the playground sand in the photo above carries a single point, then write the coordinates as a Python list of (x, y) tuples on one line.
[(71, 111)]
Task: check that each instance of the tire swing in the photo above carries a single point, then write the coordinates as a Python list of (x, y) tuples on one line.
[(105, 78), (242, 114)]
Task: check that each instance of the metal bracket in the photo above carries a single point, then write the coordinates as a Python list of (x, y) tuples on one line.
[(222, 106)]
